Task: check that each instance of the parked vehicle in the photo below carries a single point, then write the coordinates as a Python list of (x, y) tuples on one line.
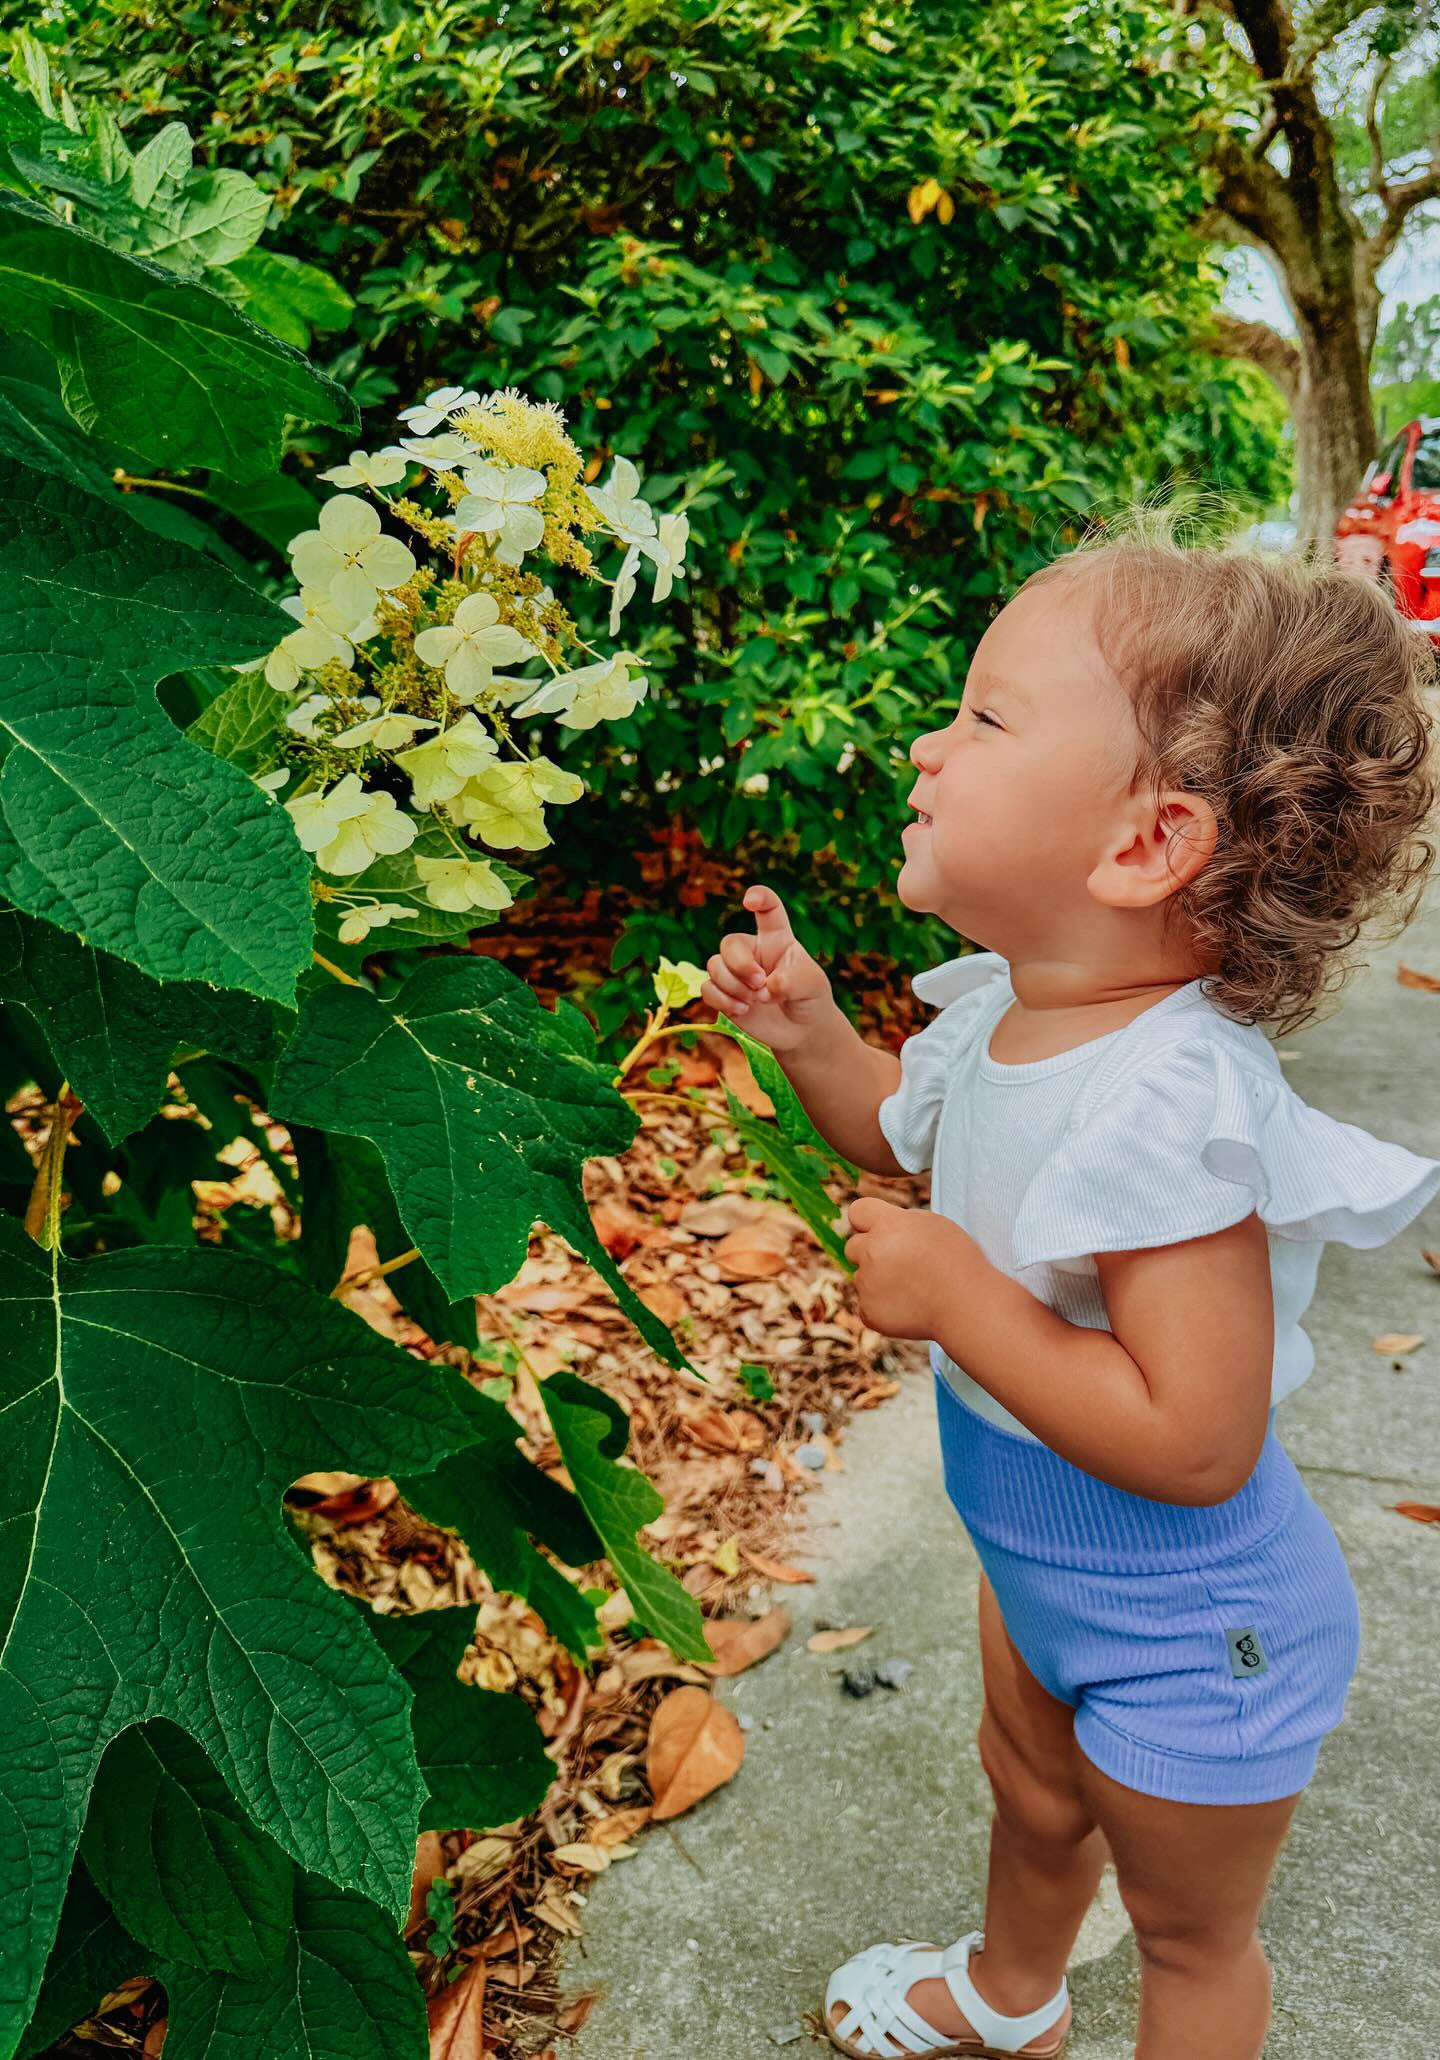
[(1392, 527)]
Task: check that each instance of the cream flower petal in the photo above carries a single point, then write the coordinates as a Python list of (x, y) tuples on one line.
[(315, 562), (388, 830), (478, 511), (467, 674), (353, 592), (438, 453), (476, 612), (348, 851), (524, 528), (503, 645), (385, 732), (436, 646), (348, 523), (281, 670), (388, 562)]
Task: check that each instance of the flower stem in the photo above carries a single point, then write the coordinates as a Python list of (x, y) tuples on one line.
[(42, 1215), (348, 978)]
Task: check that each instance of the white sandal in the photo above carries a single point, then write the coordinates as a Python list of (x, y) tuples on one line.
[(873, 1984)]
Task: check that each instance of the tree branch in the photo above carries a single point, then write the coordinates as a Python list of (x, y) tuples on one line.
[(1276, 355), (1256, 197), (1372, 127), (1400, 203)]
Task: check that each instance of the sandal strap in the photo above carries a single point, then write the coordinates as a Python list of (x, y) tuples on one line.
[(1007, 2034), (873, 1990)]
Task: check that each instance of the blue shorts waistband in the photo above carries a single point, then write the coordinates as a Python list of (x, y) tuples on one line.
[(1017, 1494)]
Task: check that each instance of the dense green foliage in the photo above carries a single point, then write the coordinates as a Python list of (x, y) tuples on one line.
[(1407, 365), (917, 282)]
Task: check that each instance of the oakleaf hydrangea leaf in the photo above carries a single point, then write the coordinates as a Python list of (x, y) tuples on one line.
[(591, 1430), (240, 722), (342, 1989), (179, 1861), (157, 1405), (345, 1990), (484, 1106), (501, 1504), (111, 1028), (481, 1753), (160, 364), (36, 431), (128, 833), (343, 1184)]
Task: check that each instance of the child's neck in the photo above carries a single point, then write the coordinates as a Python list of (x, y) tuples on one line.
[(1062, 1000)]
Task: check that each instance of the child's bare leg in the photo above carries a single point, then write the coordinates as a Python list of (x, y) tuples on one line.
[(1046, 1854), (1193, 1877)]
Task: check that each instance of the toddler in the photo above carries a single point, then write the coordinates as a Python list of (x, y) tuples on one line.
[(1179, 784)]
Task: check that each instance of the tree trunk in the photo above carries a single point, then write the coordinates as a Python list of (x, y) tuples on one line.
[(1334, 421)]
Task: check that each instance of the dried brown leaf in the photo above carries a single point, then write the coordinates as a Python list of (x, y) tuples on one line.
[(837, 1641), (1392, 1342), (738, 1642), (695, 1746), (620, 1825), (1418, 1512), (572, 2017), (553, 1907), (429, 1861), (1411, 976), (457, 2017), (774, 1569)]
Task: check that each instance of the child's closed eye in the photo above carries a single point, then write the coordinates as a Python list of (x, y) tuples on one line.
[(983, 715)]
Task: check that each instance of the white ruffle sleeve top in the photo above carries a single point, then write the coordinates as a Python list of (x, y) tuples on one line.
[(1177, 1125)]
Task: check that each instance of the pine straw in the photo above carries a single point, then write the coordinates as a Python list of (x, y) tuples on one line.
[(743, 1280)]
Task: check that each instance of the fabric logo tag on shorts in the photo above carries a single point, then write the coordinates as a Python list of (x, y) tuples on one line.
[(1247, 1654)]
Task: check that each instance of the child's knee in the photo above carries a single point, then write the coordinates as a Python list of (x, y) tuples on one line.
[(1039, 1803), (1185, 1941)]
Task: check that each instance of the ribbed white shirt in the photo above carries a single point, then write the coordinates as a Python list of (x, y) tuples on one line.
[(1177, 1125)]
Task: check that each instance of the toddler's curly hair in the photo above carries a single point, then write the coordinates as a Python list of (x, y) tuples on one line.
[(1291, 694)]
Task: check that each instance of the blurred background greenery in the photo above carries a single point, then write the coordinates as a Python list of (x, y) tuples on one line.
[(917, 287)]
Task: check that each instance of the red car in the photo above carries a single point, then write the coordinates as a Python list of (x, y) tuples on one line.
[(1392, 527)]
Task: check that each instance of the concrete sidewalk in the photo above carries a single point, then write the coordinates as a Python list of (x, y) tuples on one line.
[(857, 1820)]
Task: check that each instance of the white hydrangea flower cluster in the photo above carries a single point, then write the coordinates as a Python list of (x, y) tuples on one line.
[(413, 656)]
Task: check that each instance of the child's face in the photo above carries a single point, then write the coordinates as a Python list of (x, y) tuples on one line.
[(1030, 788)]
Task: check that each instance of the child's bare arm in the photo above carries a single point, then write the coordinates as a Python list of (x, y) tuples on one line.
[(842, 1080), (1171, 1402), (782, 997)]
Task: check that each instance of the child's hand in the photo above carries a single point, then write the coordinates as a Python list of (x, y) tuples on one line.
[(899, 1256), (769, 983)]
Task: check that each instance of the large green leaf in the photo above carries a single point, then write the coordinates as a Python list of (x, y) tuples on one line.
[(36, 431), (286, 295), (343, 1184), (179, 1861), (158, 1404), (240, 722), (128, 833), (481, 1753), (591, 1430), (484, 1106), (112, 1029), (343, 1988), (499, 1503), (160, 364), (504, 1508), (93, 1954)]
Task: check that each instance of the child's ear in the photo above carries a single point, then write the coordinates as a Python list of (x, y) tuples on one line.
[(1162, 843)]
